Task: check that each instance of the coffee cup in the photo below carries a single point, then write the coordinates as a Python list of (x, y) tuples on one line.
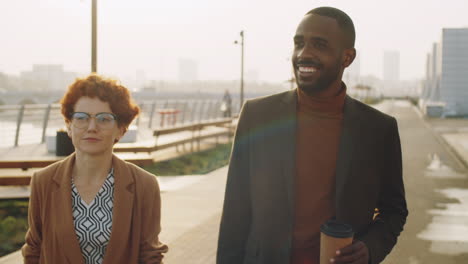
[(334, 235)]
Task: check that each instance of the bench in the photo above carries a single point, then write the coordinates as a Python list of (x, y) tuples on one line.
[(171, 113), (23, 178), (15, 180), (197, 132), (40, 163), (222, 122), (195, 129)]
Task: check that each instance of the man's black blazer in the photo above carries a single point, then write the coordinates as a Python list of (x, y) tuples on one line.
[(257, 220)]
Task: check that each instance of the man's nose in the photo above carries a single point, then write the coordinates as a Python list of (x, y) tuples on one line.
[(306, 52)]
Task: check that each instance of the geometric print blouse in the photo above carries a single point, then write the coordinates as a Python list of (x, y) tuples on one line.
[(93, 222)]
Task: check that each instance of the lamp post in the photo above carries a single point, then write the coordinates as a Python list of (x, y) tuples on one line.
[(94, 37), (242, 69)]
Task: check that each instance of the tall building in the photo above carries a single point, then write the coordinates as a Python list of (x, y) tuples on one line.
[(432, 83), (391, 66), (188, 70), (446, 84)]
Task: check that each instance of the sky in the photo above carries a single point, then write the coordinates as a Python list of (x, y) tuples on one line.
[(151, 36)]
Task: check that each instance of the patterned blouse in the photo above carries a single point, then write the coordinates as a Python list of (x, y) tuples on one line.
[(93, 222)]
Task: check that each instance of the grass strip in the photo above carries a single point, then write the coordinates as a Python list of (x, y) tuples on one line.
[(193, 163)]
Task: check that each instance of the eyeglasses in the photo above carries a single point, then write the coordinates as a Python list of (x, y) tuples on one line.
[(103, 120)]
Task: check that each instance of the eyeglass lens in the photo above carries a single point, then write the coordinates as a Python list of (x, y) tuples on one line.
[(103, 120)]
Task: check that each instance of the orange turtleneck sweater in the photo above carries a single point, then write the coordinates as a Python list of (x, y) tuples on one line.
[(319, 122)]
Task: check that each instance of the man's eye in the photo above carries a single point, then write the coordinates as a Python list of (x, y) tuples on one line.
[(320, 45), (298, 43)]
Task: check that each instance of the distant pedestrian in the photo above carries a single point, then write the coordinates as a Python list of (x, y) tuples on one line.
[(93, 207), (226, 104), (312, 154)]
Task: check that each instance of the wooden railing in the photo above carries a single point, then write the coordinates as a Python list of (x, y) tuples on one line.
[(197, 133), (136, 153)]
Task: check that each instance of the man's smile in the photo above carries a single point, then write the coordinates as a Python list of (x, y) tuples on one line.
[(306, 70)]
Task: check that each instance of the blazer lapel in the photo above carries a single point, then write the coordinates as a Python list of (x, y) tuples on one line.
[(348, 141), (122, 212), (61, 200), (287, 146)]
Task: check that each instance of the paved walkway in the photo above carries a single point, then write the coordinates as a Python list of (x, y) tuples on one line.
[(455, 133), (190, 218), (192, 207), (451, 132)]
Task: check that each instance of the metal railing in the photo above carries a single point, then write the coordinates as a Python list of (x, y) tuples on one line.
[(30, 124)]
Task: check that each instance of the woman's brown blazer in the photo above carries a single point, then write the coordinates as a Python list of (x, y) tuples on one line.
[(51, 237)]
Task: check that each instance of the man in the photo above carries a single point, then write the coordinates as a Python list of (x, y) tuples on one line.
[(226, 105), (304, 156)]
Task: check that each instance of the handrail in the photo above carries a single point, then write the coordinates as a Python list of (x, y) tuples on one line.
[(194, 128), (30, 123)]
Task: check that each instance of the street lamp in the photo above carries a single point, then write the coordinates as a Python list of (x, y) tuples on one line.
[(94, 37), (242, 69)]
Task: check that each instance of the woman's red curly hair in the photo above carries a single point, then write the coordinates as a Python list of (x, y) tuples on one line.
[(107, 90)]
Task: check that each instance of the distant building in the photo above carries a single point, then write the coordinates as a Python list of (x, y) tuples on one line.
[(446, 83), (391, 84), (188, 70), (46, 77), (391, 66), (431, 90)]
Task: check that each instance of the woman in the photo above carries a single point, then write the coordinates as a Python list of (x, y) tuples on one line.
[(92, 207)]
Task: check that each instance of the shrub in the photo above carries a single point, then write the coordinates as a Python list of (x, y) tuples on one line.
[(13, 225)]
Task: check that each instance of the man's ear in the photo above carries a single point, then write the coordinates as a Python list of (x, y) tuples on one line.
[(349, 56)]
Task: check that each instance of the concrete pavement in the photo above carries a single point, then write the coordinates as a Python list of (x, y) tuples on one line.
[(190, 219), (191, 209), (436, 182)]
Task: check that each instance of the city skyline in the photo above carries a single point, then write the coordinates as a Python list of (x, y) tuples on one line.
[(150, 38), (446, 84)]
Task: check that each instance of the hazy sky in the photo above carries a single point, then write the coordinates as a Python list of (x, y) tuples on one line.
[(152, 35)]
